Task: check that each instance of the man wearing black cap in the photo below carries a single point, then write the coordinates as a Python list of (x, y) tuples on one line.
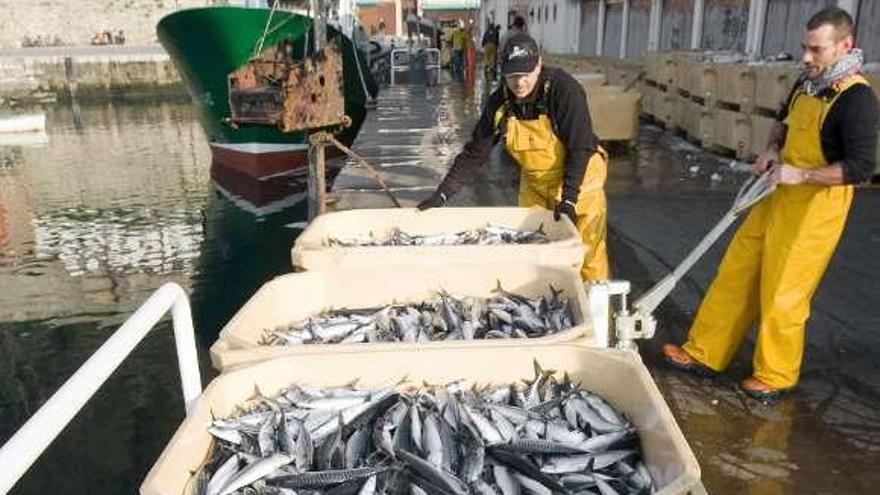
[(541, 113)]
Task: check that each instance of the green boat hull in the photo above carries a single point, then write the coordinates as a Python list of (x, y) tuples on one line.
[(206, 44)]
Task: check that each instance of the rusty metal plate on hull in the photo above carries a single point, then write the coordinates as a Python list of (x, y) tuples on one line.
[(273, 89)]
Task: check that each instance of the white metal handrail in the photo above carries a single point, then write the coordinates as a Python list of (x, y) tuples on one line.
[(432, 58), (400, 59), (17, 455)]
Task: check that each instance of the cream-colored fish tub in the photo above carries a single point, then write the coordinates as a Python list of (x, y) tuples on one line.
[(311, 252), (618, 376), (297, 296)]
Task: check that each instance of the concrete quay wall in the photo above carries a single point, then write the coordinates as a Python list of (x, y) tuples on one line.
[(88, 72)]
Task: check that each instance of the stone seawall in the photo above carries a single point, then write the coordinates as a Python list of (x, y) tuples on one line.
[(88, 72)]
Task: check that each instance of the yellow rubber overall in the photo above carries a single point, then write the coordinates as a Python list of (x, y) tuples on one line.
[(776, 259), (541, 157)]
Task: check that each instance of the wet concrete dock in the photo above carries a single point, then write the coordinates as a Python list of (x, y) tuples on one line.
[(663, 198)]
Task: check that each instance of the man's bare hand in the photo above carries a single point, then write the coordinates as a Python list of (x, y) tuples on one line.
[(787, 174), (767, 158)]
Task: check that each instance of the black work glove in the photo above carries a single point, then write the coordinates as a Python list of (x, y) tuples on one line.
[(433, 201), (567, 208)]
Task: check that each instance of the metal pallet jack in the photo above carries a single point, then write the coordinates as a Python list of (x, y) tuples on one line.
[(638, 322)]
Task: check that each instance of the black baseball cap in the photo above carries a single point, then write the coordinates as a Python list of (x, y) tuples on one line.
[(520, 55)]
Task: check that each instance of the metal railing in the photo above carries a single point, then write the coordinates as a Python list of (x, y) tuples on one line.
[(17, 455), (400, 59), (432, 58)]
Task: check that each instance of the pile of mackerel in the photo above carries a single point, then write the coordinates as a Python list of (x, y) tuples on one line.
[(448, 317), (543, 436), (490, 235)]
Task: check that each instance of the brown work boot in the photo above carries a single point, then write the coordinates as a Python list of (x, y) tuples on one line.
[(679, 359), (758, 390)]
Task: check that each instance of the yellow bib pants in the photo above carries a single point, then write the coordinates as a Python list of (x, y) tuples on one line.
[(776, 259)]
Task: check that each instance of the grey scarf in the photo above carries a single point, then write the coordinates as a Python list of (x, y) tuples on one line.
[(848, 65)]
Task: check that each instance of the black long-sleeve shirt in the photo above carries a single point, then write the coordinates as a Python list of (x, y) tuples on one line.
[(568, 112), (849, 132)]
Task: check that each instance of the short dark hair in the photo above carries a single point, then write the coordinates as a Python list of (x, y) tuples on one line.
[(519, 21), (836, 17)]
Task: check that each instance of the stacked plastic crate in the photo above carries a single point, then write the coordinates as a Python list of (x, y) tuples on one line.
[(715, 100)]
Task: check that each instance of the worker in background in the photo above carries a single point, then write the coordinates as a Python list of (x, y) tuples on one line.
[(823, 143), (541, 114), (490, 50), (518, 27), (470, 53), (459, 41)]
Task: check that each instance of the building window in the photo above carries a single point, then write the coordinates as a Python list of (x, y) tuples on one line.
[(554, 12), (539, 15), (547, 13)]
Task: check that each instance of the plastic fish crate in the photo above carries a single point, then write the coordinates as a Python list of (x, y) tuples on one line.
[(775, 82), (732, 131), (590, 79), (614, 113), (662, 68), (311, 252), (696, 120), (697, 78), (618, 376), (296, 297), (649, 100), (735, 85), (760, 132)]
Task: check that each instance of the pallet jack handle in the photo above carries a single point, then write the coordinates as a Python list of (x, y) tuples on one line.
[(639, 323)]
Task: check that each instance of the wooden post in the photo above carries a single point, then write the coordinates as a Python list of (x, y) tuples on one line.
[(654, 25), (697, 25), (317, 195), (755, 30), (600, 29), (319, 17), (624, 29)]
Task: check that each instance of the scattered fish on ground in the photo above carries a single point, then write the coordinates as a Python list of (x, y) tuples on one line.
[(488, 235), (542, 436), (448, 317)]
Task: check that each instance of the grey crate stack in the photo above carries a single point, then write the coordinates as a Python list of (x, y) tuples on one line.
[(724, 106), (716, 103)]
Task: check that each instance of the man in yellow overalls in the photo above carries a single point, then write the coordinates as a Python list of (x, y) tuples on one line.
[(541, 112), (823, 143)]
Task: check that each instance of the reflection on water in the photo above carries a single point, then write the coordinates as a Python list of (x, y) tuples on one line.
[(124, 239), (117, 203)]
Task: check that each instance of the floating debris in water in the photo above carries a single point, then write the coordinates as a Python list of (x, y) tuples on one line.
[(489, 235), (543, 436), (505, 316)]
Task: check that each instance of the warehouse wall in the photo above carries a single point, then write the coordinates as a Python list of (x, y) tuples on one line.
[(675, 24), (589, 22), (639, 20), (785, 24), (725, 23), (613, 20), (868, 29)]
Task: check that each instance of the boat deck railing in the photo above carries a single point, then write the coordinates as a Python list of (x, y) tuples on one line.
[(32, 439)]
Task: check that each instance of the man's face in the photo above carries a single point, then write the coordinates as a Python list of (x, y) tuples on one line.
[(823, 47), (521, 85)]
